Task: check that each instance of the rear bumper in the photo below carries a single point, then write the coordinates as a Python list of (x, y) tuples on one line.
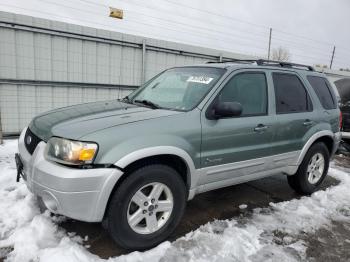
[(345, 135), (337, 138), (81, 194)]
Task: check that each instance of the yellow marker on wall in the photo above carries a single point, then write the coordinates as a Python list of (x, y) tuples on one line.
[(116, 13)]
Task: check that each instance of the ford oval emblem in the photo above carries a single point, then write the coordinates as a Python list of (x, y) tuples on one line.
[(29, 140)]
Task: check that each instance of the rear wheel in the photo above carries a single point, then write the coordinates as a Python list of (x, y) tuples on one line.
[(146, 207), (312, 171)]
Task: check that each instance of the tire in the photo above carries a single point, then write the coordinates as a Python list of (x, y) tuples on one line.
[(304, 182), (141, 236), (346, 140)]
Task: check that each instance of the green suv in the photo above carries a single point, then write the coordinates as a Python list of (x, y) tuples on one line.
[(133, 163)]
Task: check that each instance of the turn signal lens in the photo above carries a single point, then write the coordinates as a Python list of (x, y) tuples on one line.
[(87, 154)]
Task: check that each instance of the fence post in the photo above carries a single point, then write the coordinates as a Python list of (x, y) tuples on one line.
[(143, 76)]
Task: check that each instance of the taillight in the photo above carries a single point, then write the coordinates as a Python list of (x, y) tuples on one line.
[(340, 120)]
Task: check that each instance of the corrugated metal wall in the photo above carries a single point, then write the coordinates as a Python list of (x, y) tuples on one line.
[(48, 64)]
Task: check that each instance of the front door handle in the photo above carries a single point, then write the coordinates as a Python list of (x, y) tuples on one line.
[(260, 128), (308, 122)]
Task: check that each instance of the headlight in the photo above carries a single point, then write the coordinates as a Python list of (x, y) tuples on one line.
[(70, 152)]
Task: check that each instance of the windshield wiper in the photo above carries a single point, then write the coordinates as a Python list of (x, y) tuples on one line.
[(147, 103), (126, 100)]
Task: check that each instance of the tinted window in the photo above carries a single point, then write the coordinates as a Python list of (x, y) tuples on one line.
[(323, 91), (250, 90), (291, 95)]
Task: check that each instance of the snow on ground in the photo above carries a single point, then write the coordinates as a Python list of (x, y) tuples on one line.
[(28, 235)]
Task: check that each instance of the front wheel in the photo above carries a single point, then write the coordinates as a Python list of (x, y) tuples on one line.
[(146, 207), (312, 170)]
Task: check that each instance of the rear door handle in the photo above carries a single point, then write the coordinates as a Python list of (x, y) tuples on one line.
[(308, 122), (260, 128)]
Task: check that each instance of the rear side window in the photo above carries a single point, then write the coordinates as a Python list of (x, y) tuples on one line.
[(291, 95), (323, 91)]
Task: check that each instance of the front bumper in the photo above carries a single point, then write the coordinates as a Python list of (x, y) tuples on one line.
[(81, 194)]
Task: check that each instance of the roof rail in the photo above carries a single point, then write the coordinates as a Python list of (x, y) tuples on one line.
[(243, 61), (265, 62), (283, 64)]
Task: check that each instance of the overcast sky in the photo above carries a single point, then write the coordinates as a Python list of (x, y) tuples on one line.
[(307, 28)]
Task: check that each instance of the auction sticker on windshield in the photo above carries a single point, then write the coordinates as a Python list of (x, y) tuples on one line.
[(200, 79)]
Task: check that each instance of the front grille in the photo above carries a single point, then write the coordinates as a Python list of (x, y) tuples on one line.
[(31, 141)]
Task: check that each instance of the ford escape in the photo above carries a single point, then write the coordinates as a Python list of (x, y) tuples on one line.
[(133, 163)]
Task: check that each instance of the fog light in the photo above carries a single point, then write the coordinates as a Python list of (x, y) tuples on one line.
[(50, 201)]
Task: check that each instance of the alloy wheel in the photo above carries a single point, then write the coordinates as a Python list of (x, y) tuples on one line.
[(315, 168), (150, 208)]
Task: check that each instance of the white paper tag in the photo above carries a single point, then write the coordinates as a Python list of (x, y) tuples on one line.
[(200, 79)]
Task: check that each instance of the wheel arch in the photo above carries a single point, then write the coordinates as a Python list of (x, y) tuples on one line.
[(167, 155), (325, 136)]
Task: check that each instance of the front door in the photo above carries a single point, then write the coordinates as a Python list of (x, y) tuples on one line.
[(233, 147)]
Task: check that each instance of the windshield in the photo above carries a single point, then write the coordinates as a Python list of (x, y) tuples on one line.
[(178, 88)]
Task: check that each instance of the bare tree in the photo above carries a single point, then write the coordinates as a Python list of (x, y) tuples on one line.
[(281, 54)]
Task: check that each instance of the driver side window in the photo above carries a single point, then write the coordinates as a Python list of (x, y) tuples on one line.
[(250, 90)]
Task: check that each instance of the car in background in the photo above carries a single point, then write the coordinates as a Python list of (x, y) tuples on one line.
[(343, 88)]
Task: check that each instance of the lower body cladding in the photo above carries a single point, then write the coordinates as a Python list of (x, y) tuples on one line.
[(80, 194)]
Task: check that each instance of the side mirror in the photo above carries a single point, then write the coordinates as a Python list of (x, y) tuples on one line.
[(226, 109)]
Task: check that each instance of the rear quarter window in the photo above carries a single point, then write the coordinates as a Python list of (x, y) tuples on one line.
[(323, 91)]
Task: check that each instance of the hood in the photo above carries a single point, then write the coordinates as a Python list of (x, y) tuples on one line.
[(77, 121)]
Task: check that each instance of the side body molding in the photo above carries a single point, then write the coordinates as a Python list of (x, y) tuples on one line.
[(192, 176)]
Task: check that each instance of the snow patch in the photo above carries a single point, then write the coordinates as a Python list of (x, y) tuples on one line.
[(243, 206)]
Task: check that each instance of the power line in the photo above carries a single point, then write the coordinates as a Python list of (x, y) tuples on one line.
[(342, 50), (216, 14), (304, 37), (246, 22), (303, 44), (260, 34), (167, 28), (277, 41)]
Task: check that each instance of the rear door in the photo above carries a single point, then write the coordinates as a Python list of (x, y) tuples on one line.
[(294, 112), (244, 139)]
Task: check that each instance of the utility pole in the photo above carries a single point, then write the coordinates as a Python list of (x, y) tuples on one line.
[(0, 130), (330, 66), (269, 51)]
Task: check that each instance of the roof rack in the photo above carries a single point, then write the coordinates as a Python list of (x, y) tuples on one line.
[(265, 62)]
